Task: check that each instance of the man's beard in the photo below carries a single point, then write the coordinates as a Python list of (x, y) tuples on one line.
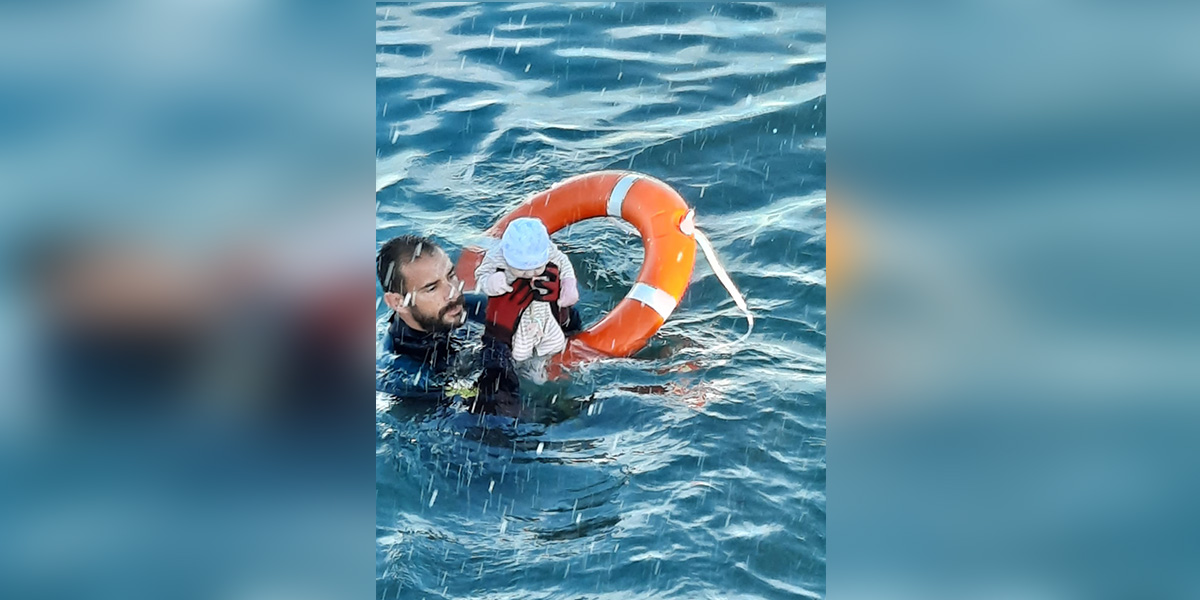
[(439, 323)]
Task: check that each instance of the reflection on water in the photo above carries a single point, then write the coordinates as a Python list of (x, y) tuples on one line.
[(690, 470)]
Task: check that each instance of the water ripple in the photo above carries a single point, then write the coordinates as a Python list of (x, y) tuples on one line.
[(688, 471)]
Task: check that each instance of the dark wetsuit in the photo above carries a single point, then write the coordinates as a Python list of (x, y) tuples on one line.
[(415, 363)]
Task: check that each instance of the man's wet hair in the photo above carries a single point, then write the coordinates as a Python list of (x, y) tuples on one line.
[(400, 251)]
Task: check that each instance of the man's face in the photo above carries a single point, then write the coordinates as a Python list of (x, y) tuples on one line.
[(432, 299)]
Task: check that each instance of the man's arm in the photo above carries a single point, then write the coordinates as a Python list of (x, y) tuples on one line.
[(405, 378)]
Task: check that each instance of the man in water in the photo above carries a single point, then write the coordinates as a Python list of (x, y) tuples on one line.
[(426, 330)]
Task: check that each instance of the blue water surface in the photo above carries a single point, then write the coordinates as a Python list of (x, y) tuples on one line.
[(697, 469)]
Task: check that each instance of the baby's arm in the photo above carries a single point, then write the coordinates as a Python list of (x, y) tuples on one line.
[(489, 275), (493, 260), (569, 290), (558, 257)]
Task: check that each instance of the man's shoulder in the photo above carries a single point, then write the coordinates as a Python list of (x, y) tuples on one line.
[(476, 307)]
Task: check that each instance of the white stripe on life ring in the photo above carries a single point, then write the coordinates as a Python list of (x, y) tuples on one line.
[(617, 198), (662, 302)]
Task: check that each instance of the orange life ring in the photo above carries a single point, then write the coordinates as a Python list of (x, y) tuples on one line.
[(665, 223)]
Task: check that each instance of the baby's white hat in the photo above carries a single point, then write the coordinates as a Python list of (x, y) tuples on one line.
[(525, 244)]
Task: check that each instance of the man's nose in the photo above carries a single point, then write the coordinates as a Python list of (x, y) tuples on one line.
[(456, 288)]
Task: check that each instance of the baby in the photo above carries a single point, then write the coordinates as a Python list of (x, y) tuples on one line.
[(528, 279)]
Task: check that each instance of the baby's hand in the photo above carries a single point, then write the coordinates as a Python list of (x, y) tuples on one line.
[(568, 294), (496, 284)]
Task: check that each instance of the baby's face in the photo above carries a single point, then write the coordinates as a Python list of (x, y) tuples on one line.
[(526, 273)]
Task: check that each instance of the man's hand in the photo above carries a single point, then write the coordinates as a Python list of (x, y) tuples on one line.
[(568, 294), (496, 284)]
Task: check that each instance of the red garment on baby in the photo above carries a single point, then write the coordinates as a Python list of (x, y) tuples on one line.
[(504, 311)]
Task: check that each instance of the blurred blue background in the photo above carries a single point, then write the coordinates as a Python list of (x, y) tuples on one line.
[(1014, 395), (697, 468), (186, 282)]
